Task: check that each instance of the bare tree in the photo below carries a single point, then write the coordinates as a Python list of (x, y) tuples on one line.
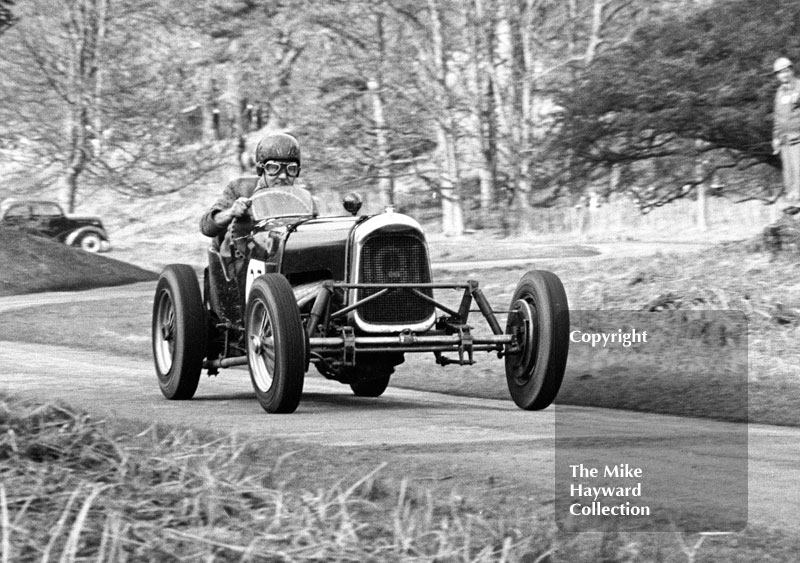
[(87, 105), (242, 52), (482, 21), (7, 18), (367, 82), (446, 122), (376, 87), (65, 53), (86, 22)]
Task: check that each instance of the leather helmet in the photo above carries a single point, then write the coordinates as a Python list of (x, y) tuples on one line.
[(277, 146)]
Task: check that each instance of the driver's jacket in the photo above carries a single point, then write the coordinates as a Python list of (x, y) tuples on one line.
[(244, 186)]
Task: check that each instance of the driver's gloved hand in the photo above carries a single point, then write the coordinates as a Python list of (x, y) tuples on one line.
[(240, 207)]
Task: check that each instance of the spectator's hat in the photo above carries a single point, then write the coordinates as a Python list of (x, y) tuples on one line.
[(780, 64)]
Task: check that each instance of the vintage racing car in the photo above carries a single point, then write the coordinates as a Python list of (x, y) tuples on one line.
[(351, 294)]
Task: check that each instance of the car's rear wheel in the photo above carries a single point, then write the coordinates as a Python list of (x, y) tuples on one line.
[(370, 377), (178, 332), (539, 321), (90, 242), (276, 345), (372, 385)]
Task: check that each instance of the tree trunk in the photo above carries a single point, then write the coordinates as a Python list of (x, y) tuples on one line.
[(385, 188), (208, 105), (231, 115), (492, 79), (452, 218), (97, 71), (375, 86), (482, 54), (572, 27), (700, 173), (515, 14), (702, 207), (595, 35), (86, 27), (526, 86)]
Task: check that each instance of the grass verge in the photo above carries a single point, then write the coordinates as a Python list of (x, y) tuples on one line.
[(32, 264), (75, 488), (78, 489)]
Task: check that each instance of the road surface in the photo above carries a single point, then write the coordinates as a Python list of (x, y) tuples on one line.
[(429, 435), (466, 439)]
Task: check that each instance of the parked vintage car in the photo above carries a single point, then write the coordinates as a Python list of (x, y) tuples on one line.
[(351, 294), (47, 219)]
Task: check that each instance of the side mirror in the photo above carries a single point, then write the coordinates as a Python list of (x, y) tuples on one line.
[(352, 203)]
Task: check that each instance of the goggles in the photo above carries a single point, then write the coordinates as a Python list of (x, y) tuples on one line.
[(273, 168)]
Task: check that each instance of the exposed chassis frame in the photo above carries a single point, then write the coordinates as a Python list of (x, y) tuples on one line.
[(451, 333)]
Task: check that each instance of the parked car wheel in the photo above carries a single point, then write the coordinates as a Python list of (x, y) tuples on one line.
[(90, 242), (276, 344), (178, 332), (540, 320)]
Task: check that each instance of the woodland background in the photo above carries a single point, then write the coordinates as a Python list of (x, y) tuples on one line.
[(485, 110)]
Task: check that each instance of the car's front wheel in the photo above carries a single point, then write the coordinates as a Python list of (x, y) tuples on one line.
[(178, 332), (276, 345), (539, 321)]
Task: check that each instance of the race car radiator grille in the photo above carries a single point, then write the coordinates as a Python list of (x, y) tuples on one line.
[(394, 258)]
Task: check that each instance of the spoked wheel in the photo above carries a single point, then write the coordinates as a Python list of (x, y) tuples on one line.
[(178, 332), (539, 320), (276, 345)]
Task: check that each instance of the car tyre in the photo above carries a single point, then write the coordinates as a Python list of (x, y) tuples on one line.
[(539, 319), (178, 332), (90, 242), (372, 386), (370, 377), (276, 344)]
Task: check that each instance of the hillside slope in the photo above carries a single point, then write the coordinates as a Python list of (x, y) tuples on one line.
[(32, 264)]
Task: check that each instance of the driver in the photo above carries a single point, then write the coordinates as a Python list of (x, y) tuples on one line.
[(277, 165)]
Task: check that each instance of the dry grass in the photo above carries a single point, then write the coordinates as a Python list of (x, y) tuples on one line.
[(78, 489)]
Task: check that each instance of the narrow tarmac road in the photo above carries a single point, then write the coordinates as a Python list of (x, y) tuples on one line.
[(470, 440), (425, 435)]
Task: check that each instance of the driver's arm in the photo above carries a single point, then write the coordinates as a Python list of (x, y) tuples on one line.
[(216, 219), (224, 217)]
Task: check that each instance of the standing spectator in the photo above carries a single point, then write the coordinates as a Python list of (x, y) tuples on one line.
[(247, 120), (243, 157), (786, 127), (261, 116), (215, 120)]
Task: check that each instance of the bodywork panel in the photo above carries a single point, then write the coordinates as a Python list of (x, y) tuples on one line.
[(317, 249)]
